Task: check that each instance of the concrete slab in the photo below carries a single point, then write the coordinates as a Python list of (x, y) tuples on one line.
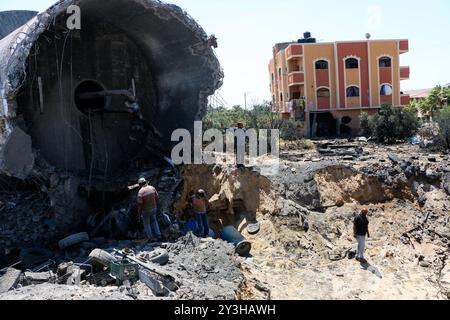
[(9, 279), (18, 154)]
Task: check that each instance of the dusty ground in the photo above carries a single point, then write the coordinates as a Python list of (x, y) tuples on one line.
[(403, 264), (304, 247)]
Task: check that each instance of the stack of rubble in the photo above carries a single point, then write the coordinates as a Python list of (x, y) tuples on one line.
[(190, 268), (25, 219)]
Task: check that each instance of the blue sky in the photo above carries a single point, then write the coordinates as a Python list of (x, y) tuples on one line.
[(247, 30)]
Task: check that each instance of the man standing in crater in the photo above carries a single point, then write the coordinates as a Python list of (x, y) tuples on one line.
[(360, 231)]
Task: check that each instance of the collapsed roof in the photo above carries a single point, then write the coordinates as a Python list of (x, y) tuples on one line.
[(155, 48)]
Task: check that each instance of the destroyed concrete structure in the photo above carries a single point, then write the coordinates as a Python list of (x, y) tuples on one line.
[(49, 131), (11, 20)]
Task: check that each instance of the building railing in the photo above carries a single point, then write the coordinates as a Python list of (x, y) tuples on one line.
[(405, 99), (404, 73), (297, 77), (294, 50)]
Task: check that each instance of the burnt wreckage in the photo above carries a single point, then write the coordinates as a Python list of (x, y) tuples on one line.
[(63, 118)]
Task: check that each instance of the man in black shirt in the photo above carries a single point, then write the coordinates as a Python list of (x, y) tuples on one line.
[(360, 230)]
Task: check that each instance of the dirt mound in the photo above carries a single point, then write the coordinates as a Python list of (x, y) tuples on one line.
[(339, 185), (236, 196)]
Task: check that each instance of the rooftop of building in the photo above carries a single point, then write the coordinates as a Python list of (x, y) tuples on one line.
[(308, 40), (418, 93)]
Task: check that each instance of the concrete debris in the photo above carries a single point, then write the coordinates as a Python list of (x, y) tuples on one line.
[(304, 239), (9, 280), (151, 281), (70, 158), (32, 278), (198, 268)]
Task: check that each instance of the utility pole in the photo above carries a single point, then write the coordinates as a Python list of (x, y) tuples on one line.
[(245, 99)]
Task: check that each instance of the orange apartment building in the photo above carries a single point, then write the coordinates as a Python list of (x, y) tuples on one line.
[(329, 85)]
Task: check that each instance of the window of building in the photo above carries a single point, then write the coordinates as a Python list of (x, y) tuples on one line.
[(351, 63), (323, 93), (279, 73), (321, 65), (281, 97), (272, 76), (353, 91), (386, 90), (385, 62)]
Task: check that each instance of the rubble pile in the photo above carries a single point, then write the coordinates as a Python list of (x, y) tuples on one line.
[(299, 224), (26, 218), (191, 268), (305, 248)]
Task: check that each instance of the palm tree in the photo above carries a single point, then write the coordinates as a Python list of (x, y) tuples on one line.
[(436, 100)]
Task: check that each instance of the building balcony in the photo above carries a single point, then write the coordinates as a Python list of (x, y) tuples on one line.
[(405, 99), (294, 51), (296, 78), (404, 46), (404, 73)]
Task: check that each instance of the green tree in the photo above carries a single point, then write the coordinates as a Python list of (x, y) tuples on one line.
[(391, 124), (436, 100), (443, 120)]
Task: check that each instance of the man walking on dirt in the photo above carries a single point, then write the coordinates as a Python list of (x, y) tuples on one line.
[(147, 208), (360, 230)]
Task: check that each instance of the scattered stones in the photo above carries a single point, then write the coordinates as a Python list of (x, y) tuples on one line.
[(394, 158)]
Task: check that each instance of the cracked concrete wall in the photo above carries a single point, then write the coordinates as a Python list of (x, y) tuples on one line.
[(157, 44)]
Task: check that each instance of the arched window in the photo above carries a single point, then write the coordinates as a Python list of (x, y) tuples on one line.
[(322, 65), (279, 72), (386, 90), (281, 96), (272, 76), (385, 62), (352, 91), (351, 63), (323, 93)]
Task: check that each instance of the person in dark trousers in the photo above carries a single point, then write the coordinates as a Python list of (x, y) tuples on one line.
[(239, 149), (147, 208), (200, 206), (360, 231)]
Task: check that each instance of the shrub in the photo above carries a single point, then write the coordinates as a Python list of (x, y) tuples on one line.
[(443, 120), (258, 117), (391, 124), (290, 130)]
